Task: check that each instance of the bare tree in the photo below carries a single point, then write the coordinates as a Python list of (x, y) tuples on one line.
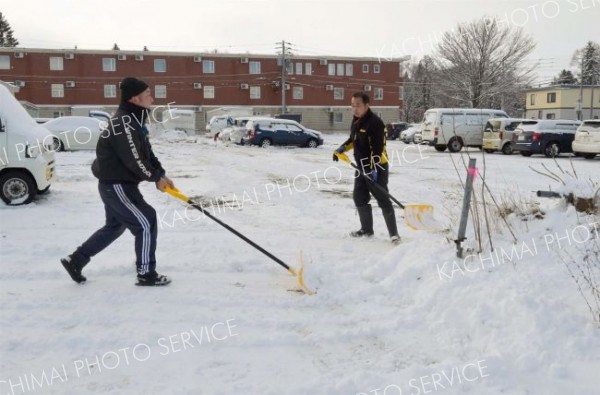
[(419, 95), (481, 62)]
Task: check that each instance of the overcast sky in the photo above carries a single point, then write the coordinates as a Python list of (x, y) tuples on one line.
[(378, 28)]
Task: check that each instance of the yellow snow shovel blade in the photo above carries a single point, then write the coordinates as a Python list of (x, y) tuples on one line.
[(298, 274), (416, 216)]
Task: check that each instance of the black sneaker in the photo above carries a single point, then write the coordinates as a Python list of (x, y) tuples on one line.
[(152, 279), (73, 269), (361, 233)]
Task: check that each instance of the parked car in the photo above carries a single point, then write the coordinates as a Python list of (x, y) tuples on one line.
[(239, 133), (218, 123), (394, 129), (454, 128), (267, 132), (407, 135), (587, 139), (498, 134), (75, 132), (27, 162), (548, 137)]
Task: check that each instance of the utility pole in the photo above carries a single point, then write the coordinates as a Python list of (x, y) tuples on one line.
[(580, 112), (283, 74)]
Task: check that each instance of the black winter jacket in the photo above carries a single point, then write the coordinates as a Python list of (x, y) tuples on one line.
[(123, 152), (367, 138)]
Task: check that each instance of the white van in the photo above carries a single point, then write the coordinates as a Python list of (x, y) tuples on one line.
[(26, 155), (455, 128)]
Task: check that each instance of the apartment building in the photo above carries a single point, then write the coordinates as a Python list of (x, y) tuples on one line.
[(563, 102), (57, 82)]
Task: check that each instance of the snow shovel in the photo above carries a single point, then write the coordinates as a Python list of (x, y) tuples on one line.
[(298, 274), (416, 216)]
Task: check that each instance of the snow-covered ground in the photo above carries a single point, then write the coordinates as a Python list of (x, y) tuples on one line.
[(386, 320)]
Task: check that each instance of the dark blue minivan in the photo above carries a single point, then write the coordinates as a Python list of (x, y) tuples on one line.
[(267, 132)]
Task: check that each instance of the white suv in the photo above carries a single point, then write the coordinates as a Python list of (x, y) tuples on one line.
[(587, 139)]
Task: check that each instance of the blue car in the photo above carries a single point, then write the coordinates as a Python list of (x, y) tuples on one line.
[(267, 132)]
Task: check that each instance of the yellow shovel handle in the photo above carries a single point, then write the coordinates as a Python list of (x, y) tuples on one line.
[(176, 193)]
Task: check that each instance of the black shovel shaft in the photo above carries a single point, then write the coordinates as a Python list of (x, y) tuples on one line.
[(238, 234), (376, 185)]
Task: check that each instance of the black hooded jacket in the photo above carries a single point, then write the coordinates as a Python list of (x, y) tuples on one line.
[(123, 152)]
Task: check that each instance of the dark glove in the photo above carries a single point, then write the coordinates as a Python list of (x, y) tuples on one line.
[(341, 149), (373, 175)]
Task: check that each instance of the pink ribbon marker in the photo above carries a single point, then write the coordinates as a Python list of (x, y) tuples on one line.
[(473, 171)]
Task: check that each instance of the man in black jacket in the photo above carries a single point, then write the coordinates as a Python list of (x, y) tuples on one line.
[(124, 158), (367, 139)]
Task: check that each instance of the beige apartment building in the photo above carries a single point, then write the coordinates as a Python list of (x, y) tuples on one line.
[(563, 102)]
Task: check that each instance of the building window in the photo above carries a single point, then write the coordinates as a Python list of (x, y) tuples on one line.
[(401, 92), (338, 117), (208, 67), (299, 68), (378, 94), (550, 115), (109, 64), (331, 68), (160, 65), (298, 93), (340, 69), (254, 67), (539, 114), (338, 93), (57, 90), (376, 68), (209, 92), (160, 91), (349, 69), (56, 63), (58, 114), (551, 97), (532, 99), (308, 68), (4, 62), (255, 92), (289, 67), (365, 68), (110, 91)]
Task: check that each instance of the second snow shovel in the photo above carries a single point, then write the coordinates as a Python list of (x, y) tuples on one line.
[(416, 216), (298, 274)]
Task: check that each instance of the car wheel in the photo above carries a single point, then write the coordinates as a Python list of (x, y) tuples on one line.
[(265, 143), (589, 156), (507, 149), (16, 188), (440, 148), (455, 144), (526, 153), (489, 151), (57, 145), (312, 143), (552, 149)]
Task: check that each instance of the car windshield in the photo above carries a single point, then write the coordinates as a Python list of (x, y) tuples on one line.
[(592, 124), (509, 127)]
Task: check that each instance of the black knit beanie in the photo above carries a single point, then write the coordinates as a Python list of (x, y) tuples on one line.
[(131, 87)]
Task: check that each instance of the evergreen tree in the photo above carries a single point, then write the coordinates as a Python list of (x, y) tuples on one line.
[(6, 34), (565, 77)]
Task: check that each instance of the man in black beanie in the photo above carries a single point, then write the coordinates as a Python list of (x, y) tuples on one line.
[(124, 158)]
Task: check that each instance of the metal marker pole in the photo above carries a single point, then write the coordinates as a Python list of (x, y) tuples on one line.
[(462, 228)]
